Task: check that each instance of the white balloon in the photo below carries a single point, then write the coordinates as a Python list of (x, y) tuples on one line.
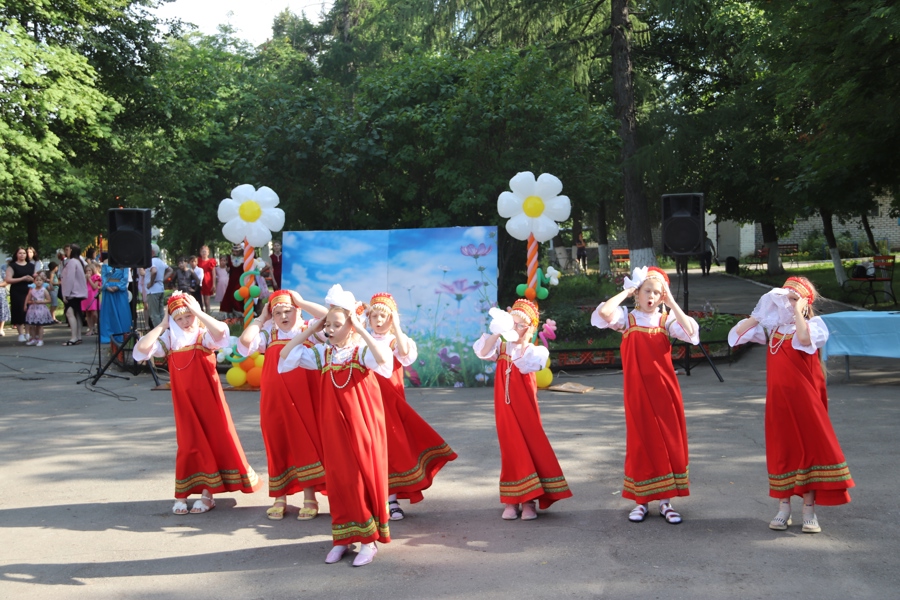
[(509, 205), (228, 210), (523, 184), (519, 226), (558, 208), (548, 186), (243, 192), (544, 228)]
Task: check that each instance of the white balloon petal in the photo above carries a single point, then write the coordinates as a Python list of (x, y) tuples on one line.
[(523, 184), (519, 226), (257, 234), (272, 218), (243, 192), (234, 230), (548, 186), (543, 228), (228, 210), (509, 205), (558, 208), (266, 197)]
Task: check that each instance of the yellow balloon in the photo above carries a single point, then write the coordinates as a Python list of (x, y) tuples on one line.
[(236, 377), (259, 359), (533, 206), (544, 378)]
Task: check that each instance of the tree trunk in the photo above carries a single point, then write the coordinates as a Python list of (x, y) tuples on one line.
[(603, 239), (770, 241), (32, 230), (637, 214), (869, 235), (839, 272)]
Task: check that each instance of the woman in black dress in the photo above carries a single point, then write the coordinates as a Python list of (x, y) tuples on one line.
[(19, 274)]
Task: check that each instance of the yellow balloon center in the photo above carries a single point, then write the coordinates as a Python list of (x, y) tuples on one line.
[(533, 206), (250, 211)]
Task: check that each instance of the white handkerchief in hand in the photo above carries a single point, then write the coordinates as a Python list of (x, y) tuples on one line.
[(774, 309), (503, 323)]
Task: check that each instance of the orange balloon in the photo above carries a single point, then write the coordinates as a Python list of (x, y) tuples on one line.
[(530, 293), (254, 377), (244, 291), (247, 364)]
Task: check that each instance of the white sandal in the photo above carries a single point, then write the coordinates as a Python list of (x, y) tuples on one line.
[(638, 513), (781, 521), (811, 523), (669, 514), (180, 507), (204, 504)]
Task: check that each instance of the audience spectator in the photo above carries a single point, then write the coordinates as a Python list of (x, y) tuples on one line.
[(73, 287), (4, 305), (154, 279), (19, 274), (208, 281)]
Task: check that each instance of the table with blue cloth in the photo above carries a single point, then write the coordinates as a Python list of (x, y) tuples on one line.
[(862, 333)]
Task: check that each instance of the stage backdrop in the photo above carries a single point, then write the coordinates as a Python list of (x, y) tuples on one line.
[(444, 281)]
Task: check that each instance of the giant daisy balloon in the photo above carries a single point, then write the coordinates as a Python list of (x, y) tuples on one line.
[(250, 214), (534, 207)]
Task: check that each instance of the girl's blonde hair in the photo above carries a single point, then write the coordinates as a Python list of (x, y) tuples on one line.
[(379, 308)]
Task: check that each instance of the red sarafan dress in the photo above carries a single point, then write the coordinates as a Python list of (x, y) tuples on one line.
[(416, 452), (209, 455), (353, 438), (288, 418), (209, 268), (802, 450), (656, 441), (529, 469), (235, 271)]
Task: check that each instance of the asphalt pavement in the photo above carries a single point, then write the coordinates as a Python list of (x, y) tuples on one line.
[(85, 510)]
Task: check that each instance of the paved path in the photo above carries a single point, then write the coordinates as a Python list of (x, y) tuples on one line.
[(85, 504)]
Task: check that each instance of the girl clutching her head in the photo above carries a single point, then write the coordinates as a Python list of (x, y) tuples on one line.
[(209, 457), (803, 456), (288, 406), (351, 422), (656, 448), (529, 470), (416, 452)]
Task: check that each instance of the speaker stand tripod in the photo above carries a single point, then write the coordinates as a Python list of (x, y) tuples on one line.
[(687, 349), (126, 336)]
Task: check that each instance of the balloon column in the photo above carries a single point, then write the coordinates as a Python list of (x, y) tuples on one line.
[(250, 217), (533, 208)]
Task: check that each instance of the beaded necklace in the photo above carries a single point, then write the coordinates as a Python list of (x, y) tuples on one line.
[(331, 371), (193, 354), (774, 348)]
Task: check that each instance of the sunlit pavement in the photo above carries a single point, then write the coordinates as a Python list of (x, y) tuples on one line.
[(85, 510)]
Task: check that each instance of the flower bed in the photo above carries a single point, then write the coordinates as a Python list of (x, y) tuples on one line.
[(588, 358), (604, 350)]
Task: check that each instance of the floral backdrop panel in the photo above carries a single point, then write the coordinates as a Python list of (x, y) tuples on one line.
[(444, 281)]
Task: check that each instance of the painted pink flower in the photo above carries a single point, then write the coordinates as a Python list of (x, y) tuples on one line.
[(451, 360), (476, 251), (458, 288), (413, 376)]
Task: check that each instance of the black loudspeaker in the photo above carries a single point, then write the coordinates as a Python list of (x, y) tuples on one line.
[(682, 224), (129, 238)]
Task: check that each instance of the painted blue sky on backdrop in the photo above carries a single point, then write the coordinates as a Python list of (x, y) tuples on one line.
[(411, 264)]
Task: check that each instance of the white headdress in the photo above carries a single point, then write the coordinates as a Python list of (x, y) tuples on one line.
[(638, 276), (338, 296)]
